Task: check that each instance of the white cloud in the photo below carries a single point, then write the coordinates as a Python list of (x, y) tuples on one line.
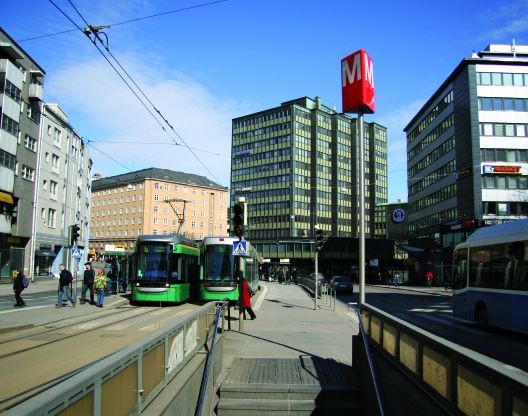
[(101, 107), (397, 147)]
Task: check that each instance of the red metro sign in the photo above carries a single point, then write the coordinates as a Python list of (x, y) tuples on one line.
[(357, 83)]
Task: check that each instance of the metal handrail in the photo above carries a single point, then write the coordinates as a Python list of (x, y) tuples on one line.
[(369, 358), (205, 378)]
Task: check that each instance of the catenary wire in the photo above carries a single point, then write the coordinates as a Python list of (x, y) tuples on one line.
[(128, 21)]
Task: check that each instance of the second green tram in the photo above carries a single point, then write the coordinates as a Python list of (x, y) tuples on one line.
[(165, 269), (217, 269)]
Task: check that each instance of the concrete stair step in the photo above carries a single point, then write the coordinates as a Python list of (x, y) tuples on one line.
[(288, 392), (257, 407)]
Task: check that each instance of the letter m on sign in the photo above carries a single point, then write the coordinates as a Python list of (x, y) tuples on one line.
[(357, 83)]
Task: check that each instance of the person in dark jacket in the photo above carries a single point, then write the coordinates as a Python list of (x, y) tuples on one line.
[(65, 280), (18, 287), (246, 298), (88, 283)]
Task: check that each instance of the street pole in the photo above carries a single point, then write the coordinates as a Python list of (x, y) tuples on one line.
[(238, 268), (316, 273), (361, 209)]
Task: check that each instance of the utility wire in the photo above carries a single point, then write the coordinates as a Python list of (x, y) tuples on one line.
[(95, 31), (129, 21), (96, 36), (154, 143)]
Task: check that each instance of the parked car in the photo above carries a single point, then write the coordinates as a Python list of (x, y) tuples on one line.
[(342, 284)]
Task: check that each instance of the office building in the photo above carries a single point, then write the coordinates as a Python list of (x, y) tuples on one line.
[(21, 89), (467, 147), (154, 201), (296, 165)]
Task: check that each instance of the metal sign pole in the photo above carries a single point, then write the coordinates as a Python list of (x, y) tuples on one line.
[(316, 275), (361, 209)]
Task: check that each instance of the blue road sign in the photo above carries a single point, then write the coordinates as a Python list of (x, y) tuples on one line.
[(76, 253), (239, 248)]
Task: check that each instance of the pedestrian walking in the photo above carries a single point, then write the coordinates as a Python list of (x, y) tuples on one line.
[(18, 286), (397, 279), (88, 283), (100, 286), (429, 278), (65, 280), (246, 298)]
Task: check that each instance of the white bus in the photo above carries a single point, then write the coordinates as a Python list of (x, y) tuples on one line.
[(490, 277)]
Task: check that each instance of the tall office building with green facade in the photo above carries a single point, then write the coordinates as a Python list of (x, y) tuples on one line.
[(297, 167)]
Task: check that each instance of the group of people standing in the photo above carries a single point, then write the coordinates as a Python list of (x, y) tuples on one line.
[(93, 283)]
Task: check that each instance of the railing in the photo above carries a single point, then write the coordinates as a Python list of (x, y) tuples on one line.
[(326, 293), (127, 381), (458, 379)]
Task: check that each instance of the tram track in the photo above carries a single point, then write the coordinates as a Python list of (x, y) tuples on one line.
[(36, 360)]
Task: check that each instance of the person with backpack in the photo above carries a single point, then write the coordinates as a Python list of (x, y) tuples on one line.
[(65, 280), (20, 283)]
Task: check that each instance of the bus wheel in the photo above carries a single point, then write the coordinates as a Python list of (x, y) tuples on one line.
[(481, 315)]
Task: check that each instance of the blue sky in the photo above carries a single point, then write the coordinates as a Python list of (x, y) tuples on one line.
[(203, 66)]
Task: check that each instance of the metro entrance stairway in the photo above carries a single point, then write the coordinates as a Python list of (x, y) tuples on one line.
[(306, 385)]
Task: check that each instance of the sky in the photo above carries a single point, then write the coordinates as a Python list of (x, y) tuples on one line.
[(200, 63)]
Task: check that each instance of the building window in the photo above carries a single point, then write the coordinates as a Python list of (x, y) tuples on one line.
[(54, 186), (30, 143), (9, 125), (156, 197), (57, 137), (52, 218), (55, 163), (28, 173), (7, 160)]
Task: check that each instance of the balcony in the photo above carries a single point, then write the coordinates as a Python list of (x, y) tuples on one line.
[(35, 92)]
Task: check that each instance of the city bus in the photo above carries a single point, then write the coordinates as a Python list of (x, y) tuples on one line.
[(217, 269), (165, 267), (490, 277)]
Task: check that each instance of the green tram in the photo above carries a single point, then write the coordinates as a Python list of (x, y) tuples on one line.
[(217, 267), (166, 266)]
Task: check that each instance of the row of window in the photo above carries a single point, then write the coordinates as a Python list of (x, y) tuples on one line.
[(270, 167), (285, 152), (446, 170), (273, 141), (502, 79), (504, 208), (266, 194), (504, 155), (502, 104), (432, 157), (282, 180), (431, 137), (503, 129), (122, 188), (429, 118), (434, 198), (433, 220), (505, 182), (261, 119), (274, 128), (104, 202)]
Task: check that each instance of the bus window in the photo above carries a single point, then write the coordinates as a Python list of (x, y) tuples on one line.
[(460, 268)]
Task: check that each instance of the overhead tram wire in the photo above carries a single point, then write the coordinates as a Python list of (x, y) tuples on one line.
[(115, 69), (96, 34), (155, 143), (129, 21)]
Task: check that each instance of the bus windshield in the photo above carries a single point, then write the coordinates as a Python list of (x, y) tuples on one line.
[(219, 264)]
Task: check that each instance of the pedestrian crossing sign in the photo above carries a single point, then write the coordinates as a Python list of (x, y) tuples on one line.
[(76, 253), (239, 248)]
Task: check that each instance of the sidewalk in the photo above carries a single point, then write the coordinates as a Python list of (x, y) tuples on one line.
[(287, 326)]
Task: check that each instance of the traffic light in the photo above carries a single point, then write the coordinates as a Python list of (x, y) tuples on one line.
[(319, 239), (74, 233), (238, 219)]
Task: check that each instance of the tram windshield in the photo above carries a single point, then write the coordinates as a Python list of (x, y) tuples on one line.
[(219, 263)]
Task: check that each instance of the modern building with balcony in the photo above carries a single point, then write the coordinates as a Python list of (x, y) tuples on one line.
[(297, 167), (21, 88), (154, 201), (63, 192), (467, 148)]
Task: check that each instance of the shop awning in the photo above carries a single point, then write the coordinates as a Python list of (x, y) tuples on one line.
[(6, 198), (45, 253)]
